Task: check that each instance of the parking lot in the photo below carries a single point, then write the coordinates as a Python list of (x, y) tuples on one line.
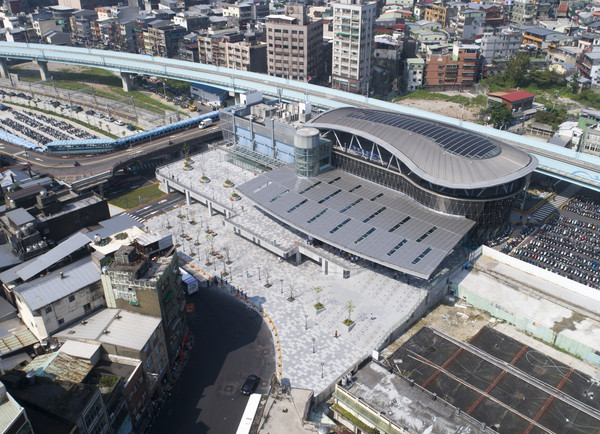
[(568, 244)]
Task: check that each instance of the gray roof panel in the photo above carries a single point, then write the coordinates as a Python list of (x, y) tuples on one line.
[(438, 153), (52, 256), (364, 229), (48, 289)]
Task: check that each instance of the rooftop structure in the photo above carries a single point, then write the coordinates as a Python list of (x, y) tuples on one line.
[(500, 382), (114, 327), (360, 217)]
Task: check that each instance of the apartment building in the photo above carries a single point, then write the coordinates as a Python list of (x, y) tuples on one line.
[(413, 74), (234, 50), (470, 24), (353, 25), (294, 44), (146, 283), (588, 65), (162, 38), (437, 12), (451, 66)]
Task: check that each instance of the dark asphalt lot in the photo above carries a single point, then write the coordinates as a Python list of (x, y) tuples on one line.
[(230, 342)]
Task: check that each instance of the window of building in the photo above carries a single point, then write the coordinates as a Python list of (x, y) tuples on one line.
[(61, 321), (48, 309), (71, 298)]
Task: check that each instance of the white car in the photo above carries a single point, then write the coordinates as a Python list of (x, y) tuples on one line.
[(119, 122)]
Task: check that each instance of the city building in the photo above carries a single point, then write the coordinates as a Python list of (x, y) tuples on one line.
[(413, 74), (514, 100), (14, 417), (541, 39), (387, 65), (470, 24), (235, 50), (524, 11), (437, 12), (430, 185), (58, 406), (451, 66), (149, 284), (503, 44), (353, 32), (161, 38), (52, 302), (588, 65), (124, 338), (294, 44), (82, 23)]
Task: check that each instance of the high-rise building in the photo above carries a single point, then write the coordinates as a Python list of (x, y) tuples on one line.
[(353, 31), (148, 284), (294, 44)]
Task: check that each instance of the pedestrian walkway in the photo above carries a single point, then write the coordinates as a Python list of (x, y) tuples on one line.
[(561, 197), (311, 356)]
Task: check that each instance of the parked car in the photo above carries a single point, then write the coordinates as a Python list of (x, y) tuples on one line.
[(250, 385)]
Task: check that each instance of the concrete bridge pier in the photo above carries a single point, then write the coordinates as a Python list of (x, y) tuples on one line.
[(4, 69), (127, 80), (43, 67)]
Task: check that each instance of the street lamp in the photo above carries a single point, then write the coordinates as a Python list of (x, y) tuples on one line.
[(322, 368), (259, 274), (313, 340), (281, 281), (306, 322)]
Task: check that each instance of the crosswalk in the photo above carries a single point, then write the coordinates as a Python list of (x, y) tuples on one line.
[(546, 210), (149, 165), (135, 217)]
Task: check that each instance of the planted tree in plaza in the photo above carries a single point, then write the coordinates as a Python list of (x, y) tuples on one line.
[(227, 255), (317, 291), (207, 263), (350, 307), (291, 289), (211, 241), (267, 283)]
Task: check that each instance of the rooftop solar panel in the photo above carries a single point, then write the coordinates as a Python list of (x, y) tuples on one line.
[(458, 143)]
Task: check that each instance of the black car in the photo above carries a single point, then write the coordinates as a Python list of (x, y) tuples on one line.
[(250, 385)]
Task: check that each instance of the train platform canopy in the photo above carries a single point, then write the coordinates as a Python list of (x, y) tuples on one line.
[(360, 217)]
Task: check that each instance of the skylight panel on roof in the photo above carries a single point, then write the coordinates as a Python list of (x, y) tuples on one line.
[(298, 205), (422, 255), (426, 234), (365, 235), (326, 198)]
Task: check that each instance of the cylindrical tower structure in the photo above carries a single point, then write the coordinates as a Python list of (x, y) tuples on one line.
[(306, 152)]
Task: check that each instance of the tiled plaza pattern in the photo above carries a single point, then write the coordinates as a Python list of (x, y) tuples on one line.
[(381, 301)]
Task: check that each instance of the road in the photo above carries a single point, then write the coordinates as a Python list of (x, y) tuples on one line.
[(157, 207), (230, 343), (63, 167)]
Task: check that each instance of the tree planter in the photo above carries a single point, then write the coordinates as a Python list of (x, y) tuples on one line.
[(319, 308), (228, 184), (204, 180), (349, 324), (187, 168), (234, 198)]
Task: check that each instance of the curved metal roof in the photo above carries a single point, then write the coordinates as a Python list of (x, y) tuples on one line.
[(441, 154)]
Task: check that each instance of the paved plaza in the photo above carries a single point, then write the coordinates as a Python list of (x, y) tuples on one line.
[(311, 356)]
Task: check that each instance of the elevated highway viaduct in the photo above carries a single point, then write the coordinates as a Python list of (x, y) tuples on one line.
[(560, 163)]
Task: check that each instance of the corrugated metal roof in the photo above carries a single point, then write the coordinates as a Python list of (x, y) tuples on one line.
[(60, 367), (46, 290), (16, 341), (125, 329), (52, 256)]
